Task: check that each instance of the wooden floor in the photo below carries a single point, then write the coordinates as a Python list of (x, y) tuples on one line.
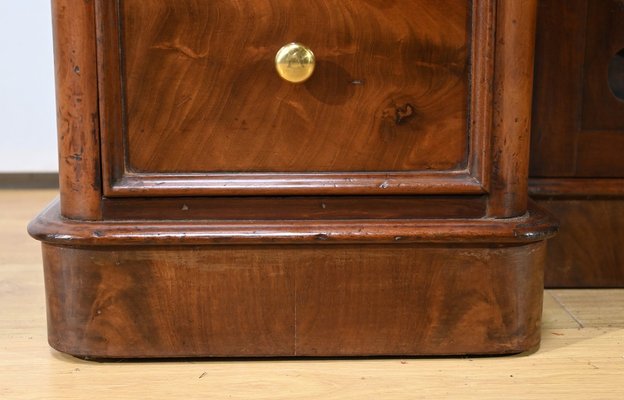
[(582, 352)]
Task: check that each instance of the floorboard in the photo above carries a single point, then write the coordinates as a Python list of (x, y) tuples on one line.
[(581, 356)]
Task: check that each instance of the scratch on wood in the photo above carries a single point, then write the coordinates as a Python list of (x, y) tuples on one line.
[(185, 50)]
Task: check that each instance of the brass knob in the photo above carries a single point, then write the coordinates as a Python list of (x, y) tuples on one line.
[(295, 62)]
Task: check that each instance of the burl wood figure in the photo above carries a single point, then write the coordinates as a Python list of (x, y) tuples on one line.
[(367, 197)]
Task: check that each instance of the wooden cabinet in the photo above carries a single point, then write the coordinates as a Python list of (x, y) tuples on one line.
[(577, 162), (578, 117), (192, 104), (211, 208)]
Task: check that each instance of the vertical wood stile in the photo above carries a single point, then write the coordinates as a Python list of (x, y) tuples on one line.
[(513, 84), (77, 109)]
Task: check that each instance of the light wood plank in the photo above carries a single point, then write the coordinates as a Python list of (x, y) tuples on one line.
[(573, 362), (593, 307), (555, 315)]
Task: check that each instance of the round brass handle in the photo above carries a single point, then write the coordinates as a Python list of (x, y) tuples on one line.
[(295, 62)]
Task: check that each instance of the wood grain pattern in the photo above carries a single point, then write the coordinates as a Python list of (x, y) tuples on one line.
[(389, 91), (600, 153), (579, 128), (602, 138), (557, 84), (588, 250), (419, 37), (77, 108), (149, 288), (602, 110), (578, 139), (582, 331), (294, 207), (403, 102), (422, 301), (50, 227), (310, 183), (116, 303), (588, 188), (293, 300), (513, 82)]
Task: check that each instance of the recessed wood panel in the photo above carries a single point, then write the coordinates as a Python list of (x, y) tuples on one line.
[(588, 250), (602, 109), (294, 207), (578, 128), (390, 89), (191, 104)]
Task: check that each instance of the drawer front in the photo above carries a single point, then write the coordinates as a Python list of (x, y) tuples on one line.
[(192, 103)]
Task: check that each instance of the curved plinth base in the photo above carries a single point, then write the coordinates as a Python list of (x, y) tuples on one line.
[(317, 294)]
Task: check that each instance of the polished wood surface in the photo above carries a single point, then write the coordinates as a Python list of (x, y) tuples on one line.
[(588, 250), (577, 167), (578, 129), (77, 108), (603, 113), (295, 207), (579, 357), (557, 86), (513, 84), (389, 92), (311, 183), (475, 38), (150, 288), (50, 227), (340, 300), (444, 112), (352, 146), (588, 188), (602, 109)]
